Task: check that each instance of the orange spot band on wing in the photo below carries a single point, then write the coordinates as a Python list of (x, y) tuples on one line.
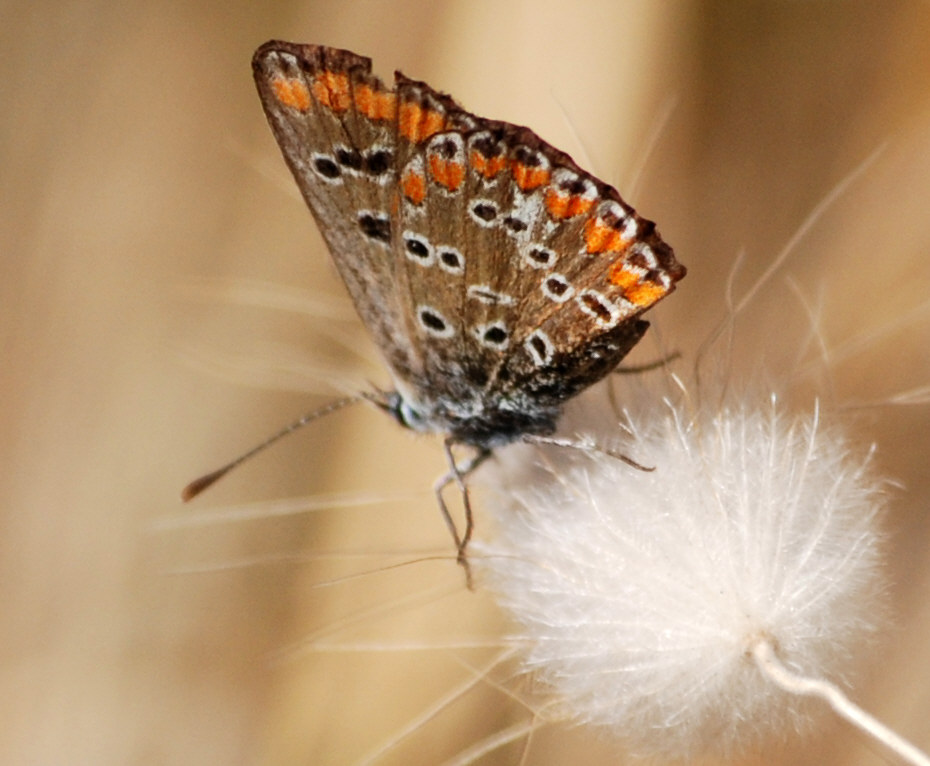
[(434, 122), (487, 166), (644, 294), (291, 92), (417, 124), (622, 277), (529, 178), (413, 186), (332, 90), (375, 104), (566, 205), (410, 115), (447, 172), (600, 238), (557, 204)]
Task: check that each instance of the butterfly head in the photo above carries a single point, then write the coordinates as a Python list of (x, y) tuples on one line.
[(393, 403)]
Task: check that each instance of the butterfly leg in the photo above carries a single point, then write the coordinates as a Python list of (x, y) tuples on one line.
[(458, 474)]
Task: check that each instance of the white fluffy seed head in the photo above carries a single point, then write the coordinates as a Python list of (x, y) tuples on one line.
[(638, 594)]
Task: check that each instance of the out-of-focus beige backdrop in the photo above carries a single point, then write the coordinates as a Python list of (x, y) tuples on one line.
[(143, 209)]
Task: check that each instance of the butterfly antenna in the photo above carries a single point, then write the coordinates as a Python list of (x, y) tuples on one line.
[(199, 485)]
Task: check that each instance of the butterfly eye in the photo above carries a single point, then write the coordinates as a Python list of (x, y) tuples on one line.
[(408, 417)]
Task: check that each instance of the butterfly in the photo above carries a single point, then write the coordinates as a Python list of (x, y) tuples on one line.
[(496, 277)]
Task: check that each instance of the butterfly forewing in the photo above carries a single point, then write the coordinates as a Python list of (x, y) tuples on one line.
[(345, 165)]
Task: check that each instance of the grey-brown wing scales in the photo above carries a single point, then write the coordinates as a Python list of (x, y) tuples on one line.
[(336, 125)]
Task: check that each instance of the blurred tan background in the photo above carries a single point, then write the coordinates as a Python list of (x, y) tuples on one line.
[(144, 204)]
